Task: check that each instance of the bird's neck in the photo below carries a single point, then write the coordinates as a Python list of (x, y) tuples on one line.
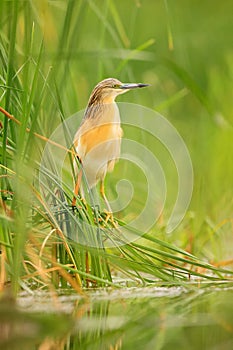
[(97, 99), (105, 110)]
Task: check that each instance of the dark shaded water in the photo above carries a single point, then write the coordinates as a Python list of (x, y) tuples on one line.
[(132, 318)]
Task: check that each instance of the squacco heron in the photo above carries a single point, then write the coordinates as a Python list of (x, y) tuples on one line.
[(97, 142)]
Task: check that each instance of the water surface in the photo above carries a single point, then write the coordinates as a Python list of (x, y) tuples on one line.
[(129, 318)]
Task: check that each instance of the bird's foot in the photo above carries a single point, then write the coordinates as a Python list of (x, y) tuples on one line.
[(109, 218), (82, 204)]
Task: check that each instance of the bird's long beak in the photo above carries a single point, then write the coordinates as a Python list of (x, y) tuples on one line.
[(132, 86)]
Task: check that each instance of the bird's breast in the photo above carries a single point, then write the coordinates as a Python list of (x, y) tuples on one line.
[(100, 135), (98, 143), (104, 127)]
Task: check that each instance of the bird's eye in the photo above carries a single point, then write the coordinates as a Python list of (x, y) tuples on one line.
[(115, 86)]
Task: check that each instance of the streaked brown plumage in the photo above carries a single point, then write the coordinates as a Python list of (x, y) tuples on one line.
[(98, 140)]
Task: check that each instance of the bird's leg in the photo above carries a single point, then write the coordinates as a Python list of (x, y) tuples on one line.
[(109, 215), (77, 187), (102, 192)]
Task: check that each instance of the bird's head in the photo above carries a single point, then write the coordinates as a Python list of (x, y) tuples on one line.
[(108, 89)]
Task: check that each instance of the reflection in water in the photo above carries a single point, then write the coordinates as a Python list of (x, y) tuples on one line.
[(136, 318)]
